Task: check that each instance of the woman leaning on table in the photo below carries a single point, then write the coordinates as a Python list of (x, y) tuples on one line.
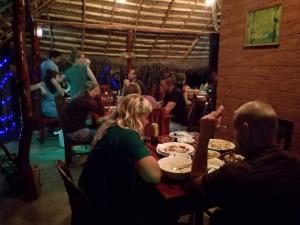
[(120, 173)]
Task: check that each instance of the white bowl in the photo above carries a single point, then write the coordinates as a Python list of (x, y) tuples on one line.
[(177, 166), (188, 140)]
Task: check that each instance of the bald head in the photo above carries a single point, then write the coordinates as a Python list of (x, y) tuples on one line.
[(256, 125)]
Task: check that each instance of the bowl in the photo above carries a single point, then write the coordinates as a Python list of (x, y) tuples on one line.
[(188, 140), (176, 166)]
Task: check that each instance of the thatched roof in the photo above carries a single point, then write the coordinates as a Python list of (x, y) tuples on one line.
[(169, 29)]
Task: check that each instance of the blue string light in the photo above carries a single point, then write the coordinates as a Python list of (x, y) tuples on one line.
[(6, 101), (5, 79), (7, 117), (4, 62), (7, 129)]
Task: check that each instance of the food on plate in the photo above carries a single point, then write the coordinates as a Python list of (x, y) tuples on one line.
[(219, 144), (176, 148), (188, 140), (213, 154), (179, 134), (233, 157)]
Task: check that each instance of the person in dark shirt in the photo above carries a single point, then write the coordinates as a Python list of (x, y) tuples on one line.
[(77, 110), (262, 189), (120, 173), (132, 77), (174, 103)]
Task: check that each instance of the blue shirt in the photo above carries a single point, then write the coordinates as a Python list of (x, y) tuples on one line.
[(49, 64)]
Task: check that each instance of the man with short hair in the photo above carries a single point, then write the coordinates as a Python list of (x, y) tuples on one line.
[(174, 104), (50, 63), (262, 189), (132, 77)]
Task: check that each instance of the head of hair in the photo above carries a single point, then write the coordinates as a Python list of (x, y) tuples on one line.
[(127, 115), (261, 120), (75, 54), (50, 74), (180, 78), (54, 54), (132, 88), (169, 78)]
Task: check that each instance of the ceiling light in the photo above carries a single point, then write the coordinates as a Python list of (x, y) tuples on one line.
[(121, 1), (210, 2)]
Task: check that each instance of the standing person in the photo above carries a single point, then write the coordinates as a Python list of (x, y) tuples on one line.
[(132, 77), (78, 74), (263, 188), (174, 104), (76, 113), (120, 172), (50, 63)]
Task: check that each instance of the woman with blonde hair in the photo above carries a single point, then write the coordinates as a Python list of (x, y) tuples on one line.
[(120, 173)]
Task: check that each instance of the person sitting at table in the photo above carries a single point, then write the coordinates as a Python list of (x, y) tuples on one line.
[(263, 188), (134, 88), (180, 83), (77, 111), (120, 172), (132, 77), (174, 104)]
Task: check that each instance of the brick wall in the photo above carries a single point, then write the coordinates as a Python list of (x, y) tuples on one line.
[(271, 74)]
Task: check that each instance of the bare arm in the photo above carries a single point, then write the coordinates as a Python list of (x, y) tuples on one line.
[(58, 87), (170, 106), (38, 86), (91, 76), (208, 125), (148, 169)]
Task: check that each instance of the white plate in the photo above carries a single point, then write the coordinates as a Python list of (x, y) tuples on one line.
[(176, 167), (220, 145), (188, 140), (175, 147), (213, 154), (214, 164), (179, 134)]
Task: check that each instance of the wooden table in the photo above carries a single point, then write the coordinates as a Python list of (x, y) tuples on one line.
[(177, 195)]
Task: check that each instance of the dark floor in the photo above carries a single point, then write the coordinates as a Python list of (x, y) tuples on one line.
[(52, 206)]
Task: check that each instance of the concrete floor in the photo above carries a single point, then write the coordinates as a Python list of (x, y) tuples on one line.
[(52, 206)]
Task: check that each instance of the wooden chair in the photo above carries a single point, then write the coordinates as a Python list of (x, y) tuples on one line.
[(68, 143), (42, 120), (158, 116), (285, 133), (80, 205)]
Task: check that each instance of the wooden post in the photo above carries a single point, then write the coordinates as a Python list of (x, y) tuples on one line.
[(129, 50), (35, 45), (24, 165)]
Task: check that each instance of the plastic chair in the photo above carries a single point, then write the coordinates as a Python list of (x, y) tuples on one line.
[(80, 205)]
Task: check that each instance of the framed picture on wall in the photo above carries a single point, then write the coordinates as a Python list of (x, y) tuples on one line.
[(262, 26)]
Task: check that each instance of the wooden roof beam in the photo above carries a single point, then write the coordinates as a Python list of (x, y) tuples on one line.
[(167, 13), (154, 45), (191, 47), (122, 27), (83, 21), (170, 45), (113, 11), (190, 13), (38, 11)]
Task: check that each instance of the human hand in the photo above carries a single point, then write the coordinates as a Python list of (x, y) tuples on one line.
[(126, 82), (210, 122)]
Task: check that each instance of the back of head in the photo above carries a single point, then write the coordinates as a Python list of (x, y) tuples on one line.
[(261, 120), (75, 54), (180, 78), (54, 54), (132, 88), (127, 115)]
